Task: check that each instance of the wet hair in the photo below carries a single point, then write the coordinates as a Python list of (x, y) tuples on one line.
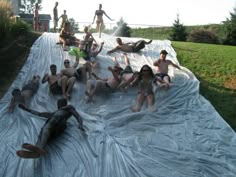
[(150, 71), (16, 91), (61, 102), (53, 66), (118, 40)]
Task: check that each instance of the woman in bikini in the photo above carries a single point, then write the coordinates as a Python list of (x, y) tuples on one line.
[(99, 13), (145, 89)]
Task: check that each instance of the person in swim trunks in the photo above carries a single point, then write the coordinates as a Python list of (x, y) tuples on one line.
[(161, 77), (130, 46), (145, 89), (109, 84), (24, 95), (99, 13), (128, 77), (53, 127), (58, 84), (73, 73)]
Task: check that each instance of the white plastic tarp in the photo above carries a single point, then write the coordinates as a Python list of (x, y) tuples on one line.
[(183, 137)]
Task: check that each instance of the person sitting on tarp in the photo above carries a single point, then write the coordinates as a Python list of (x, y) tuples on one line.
[(72, 72), (106, 85), (130, 46), (53, 127), (24, 95), (58, 84), (66, 37)]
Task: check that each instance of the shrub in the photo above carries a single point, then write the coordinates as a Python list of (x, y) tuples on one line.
[(203, 36), (18, 28), (5, 12)]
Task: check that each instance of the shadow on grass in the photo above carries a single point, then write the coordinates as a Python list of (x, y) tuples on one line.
[(223, 99)]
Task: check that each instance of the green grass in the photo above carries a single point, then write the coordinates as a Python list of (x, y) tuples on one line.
[(215, 67)]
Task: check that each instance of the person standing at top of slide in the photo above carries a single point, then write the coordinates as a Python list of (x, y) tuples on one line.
[(64, 18), (36, 17), (55, 17), (99, 13)]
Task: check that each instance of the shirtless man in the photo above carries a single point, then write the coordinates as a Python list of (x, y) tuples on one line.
[(53, 127), (64, 18), (58, 84), (162, 69), (74, 74), (99, 13), (55, 17), (106, 84), (130, 46), (128, 77), (24, 95)]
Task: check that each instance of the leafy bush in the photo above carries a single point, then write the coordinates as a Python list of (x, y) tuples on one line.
[(5, 12), (18, 28), (203, 36)]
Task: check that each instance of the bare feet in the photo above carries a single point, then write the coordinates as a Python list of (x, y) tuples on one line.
[(33, 148), (27, 154), (133, 109)]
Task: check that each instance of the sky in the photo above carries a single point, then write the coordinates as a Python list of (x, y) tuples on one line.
[(146, 12)]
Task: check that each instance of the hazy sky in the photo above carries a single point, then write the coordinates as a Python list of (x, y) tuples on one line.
[(150, 12)]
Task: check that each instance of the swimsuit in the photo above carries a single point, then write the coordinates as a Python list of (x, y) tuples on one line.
[(127, 70), (55, 88), (138, 45), (162, 75)]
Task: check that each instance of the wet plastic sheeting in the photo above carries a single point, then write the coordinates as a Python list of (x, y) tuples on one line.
[(183, 137)]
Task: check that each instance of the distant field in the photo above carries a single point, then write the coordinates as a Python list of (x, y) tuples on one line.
[(215, 67)]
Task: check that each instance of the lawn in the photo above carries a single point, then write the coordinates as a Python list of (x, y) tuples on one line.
[(215, 67)]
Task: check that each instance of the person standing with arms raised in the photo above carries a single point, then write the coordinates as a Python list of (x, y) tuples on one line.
[(99, 13)]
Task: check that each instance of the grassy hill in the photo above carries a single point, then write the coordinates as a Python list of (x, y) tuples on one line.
[(215, 67)]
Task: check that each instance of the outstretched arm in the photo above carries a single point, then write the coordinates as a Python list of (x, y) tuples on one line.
[(45, 78), (41, 114), (100, 49), (174, 65), (78, 118), (113, 50), (107, 16), (115, 75)]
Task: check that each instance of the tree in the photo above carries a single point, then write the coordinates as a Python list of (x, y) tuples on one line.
[(27, 6), (122, 29), (74, 25), (178, 31), (230, 29)]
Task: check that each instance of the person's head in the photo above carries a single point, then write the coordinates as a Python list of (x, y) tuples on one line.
[(81, 44), (100, 6), (146, 70), (36, 5), (94, 46), (16, 92), (119, 41), (61, 102), (67, 63), (86, 29), (163, 54), (56, 3), (53, 69), (64, 11)]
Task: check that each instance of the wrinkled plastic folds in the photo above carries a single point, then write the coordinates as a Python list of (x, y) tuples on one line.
[(183, 137)]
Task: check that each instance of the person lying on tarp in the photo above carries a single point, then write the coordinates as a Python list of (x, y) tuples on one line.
[(53, 127), (130, 46), (24, 95)]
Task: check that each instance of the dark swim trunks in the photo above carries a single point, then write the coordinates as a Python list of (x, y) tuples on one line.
[(78, 74), (127, 70), (139, 45), (162, 75), (55, 88)]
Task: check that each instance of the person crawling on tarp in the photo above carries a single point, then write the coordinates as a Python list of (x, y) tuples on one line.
[(53, 127)]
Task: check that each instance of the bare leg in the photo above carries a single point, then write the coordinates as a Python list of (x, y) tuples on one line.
[(88, 68), (27, 154), (100, 29), (33, 148), (70, 84), (150, 101), (62, 82), (139, 103), (149, 42), (167, 81), (99, 84), (126, 59)]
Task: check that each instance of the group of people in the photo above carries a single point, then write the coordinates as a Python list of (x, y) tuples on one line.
[(62, 83), (98, 13)]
